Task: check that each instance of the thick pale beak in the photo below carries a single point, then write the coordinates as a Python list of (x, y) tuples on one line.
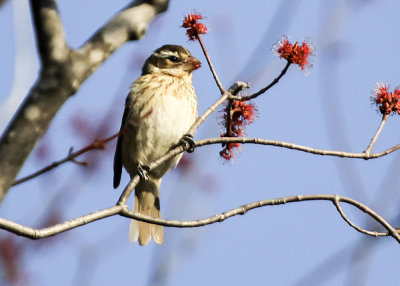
[(191, 64)]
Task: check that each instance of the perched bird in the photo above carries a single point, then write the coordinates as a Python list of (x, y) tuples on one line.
[(160, 108)]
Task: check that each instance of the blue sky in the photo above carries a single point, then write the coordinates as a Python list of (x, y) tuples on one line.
[(296, 244)]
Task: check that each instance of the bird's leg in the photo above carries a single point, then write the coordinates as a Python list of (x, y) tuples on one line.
[(142, 171), (187, 140)]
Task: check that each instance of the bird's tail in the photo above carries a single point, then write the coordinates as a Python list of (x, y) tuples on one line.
[(147, 202)]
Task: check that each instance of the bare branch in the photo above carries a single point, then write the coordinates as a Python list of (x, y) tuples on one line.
[(260, 141), (373, 140), (33, 233), (128, 25), (62, 75), (261, 91), (217, 81), (336, 202), (96, 144), (123, 211), (50, 35)]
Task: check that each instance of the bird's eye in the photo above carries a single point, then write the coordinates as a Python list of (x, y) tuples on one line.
[(173, 59)]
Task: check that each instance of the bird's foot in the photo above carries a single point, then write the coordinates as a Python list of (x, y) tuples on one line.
[(187, 140), (142, 171)]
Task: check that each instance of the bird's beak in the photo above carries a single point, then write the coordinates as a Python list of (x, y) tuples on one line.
[(192, 64)]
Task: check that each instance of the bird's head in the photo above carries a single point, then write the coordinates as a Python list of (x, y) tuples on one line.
[(172, 60)]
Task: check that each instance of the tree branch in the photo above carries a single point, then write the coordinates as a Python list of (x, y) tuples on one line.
[(96, 144), (336, 202), (212, 69), (62, 73), (128, 25), (373, 140), (288, 145), (49, 31), (33, 233), (261, 91)]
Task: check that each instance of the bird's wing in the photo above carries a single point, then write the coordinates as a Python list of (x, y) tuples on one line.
[(118, 152)]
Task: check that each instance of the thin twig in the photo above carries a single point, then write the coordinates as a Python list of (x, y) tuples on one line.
[(217, 81), (244, 140), (261, 91), (96, 144), (123, 211), (336, 202), (373, 141)]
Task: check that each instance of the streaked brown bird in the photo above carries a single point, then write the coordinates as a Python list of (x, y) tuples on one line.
[(159, 110)]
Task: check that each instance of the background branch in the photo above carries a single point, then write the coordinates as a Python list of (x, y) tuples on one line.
[(373, 140), (97, 144), (62, 73), (49, 32)]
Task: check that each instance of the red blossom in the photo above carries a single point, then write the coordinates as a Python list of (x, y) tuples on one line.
[(227, 152), (185, 164), (237, 116), (193, 27), (10, 259), (296, 54), (387, 102)]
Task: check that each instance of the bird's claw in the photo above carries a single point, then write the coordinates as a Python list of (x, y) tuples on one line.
[(142, 171), (187, 140)]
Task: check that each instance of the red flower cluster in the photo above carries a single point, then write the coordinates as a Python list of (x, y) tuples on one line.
[(193, 28), (236, 118), (387, 102), (296, 54)]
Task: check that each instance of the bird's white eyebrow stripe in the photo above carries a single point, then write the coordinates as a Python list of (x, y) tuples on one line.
[(166, 54)]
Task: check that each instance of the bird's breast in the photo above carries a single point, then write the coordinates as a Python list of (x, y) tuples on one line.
[(162, 111)]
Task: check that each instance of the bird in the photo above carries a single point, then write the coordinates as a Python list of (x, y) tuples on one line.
[(159, 110)]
